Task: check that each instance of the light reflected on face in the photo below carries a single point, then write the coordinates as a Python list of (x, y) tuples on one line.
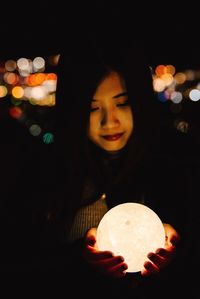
[(111, 119)]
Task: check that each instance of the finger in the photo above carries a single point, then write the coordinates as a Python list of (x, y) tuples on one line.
[(157, 259), (174, 240), (91, 231), (172, 235), (93, 254), (166, 253), (162, 258), (90, 236), (110, 267), (112, 262), (118, 271), (149, 269), (90, 240), (106, 261)]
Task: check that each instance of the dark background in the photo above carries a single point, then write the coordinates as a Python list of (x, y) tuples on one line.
[(169, 32), (170, 36)]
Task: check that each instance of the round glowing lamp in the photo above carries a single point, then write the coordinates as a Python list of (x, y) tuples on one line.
[(132, 230)]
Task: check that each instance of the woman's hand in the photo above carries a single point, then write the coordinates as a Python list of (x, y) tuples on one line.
[(163, 256), (102, 261)]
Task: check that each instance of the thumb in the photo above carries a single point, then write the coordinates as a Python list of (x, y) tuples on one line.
[(90, 236)]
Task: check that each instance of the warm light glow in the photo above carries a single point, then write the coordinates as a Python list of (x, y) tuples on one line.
[(132, 230)]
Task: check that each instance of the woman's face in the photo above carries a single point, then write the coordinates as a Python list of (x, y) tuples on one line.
[(111, 120)]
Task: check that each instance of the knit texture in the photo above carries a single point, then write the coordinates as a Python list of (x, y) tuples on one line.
[(87, 217)]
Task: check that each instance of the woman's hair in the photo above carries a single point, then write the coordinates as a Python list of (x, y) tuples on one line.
[(79, 73)]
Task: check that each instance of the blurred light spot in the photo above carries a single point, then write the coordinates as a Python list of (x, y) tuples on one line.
[(194, 95), (38, 63), (190, 75), (38, 92), (48, 138), (160, 70), (3, 91), (176, 97), (18, 92), (167, 78), (15, 102), (180, 78), (31, 80), (39, 78), (35, 130), (167, 93), (23, 64), (182, 126), (50, 85), (16, 112), (49, 100), (197, 74), (10, 65), (162, 97), (11, 78), (54, 59), (51, 76), (158, 84), (27, 92), (170, 69)]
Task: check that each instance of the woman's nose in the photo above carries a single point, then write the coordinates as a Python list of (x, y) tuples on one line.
[(109, 119)]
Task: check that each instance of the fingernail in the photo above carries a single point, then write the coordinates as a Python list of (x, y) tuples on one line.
[(124, 267), (91, 242)]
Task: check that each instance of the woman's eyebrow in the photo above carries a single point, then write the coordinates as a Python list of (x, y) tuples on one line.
[(125, 93)]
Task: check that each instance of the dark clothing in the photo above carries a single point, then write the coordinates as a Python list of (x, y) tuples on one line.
[(167, 185), (162, 185)]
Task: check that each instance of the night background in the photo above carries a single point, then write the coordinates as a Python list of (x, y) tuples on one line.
[(170, 37), (32, 37)]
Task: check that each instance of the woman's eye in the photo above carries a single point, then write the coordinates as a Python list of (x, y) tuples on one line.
[(93, 109), (126, 103)]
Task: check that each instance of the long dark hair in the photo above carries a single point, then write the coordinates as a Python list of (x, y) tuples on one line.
[(80, 71)]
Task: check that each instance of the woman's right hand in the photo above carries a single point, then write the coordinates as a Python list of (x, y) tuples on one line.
[(104, 262)]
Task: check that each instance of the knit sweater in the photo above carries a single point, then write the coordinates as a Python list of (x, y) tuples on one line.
[(88, 216)]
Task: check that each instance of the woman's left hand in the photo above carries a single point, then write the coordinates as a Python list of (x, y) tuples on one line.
[(163, 256), (104, 262)]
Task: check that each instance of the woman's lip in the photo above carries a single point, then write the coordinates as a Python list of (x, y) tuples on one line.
[(113, 137)]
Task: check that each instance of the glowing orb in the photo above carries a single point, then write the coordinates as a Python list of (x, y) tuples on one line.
[(131, 230)]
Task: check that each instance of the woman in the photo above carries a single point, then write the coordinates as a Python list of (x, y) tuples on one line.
[(108, 151)]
